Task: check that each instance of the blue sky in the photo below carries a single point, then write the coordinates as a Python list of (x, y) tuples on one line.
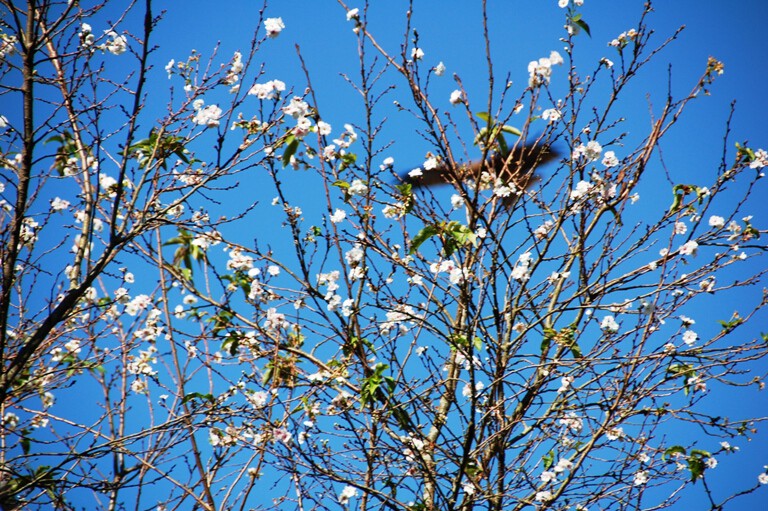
[(450, 31)]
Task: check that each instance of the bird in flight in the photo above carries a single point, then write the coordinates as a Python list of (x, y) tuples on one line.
[(515, 168)]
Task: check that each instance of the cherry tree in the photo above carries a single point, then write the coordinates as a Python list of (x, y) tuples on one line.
[(511, 325)]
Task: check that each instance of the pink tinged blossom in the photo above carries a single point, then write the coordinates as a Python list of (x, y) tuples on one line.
[(548, 476), (762, 478), (563, 465), (117, 44), (689, 337), (717, 222), (689, 248), (297, 108), (268, 90), (593, 150), (257, 399), (680, 228), (282, 435), (239, 261), (614, 433), (329, 152), (59, 204), (457, 276), (274, 26), (707, 285), (540, 72), (208, 116), (323, 128), (572, 422), (139, 386), (467, 390), (609, 159), (761, 159), (522, 271), (552, 115), (582, 189)]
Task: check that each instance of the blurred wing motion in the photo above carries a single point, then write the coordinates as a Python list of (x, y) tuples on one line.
[(517, 168)]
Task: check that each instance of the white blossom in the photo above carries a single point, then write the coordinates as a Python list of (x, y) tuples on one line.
[(117, 44), (347, 493), (609, 325), (274, 26)]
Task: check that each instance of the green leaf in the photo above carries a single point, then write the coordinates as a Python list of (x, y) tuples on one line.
[(503, 147), (511, 129), (675, 449), (197, 395), (344, 185), (484, 116), (221, 321), (290, 150), (423, 235), (696, 466), (680, 191), (735, 321), (576, 351), (371, 385), (347, 160), (405, 189), (25, 441), (548, 459), (549, 335), (581, 24), (461, 233), (97, 368), (231, 343)]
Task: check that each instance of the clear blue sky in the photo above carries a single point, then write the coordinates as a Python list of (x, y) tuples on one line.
[(523, 30), (450, 31)]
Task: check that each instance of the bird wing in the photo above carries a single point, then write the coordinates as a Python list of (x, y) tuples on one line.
[(517, 168)]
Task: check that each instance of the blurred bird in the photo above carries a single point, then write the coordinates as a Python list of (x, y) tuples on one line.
[(516, 168)]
